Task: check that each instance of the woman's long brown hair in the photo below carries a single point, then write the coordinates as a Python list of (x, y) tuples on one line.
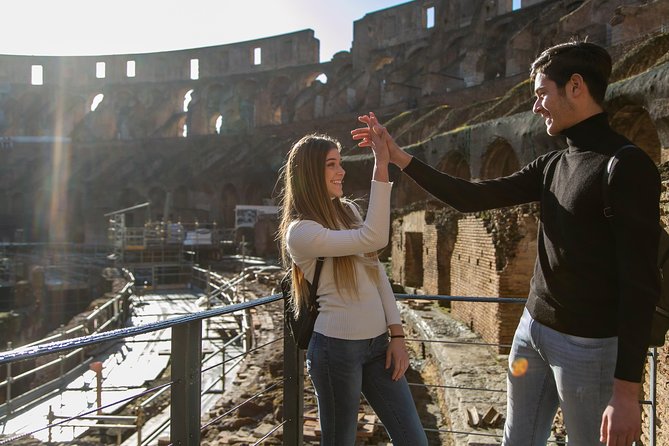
[(305, 196)]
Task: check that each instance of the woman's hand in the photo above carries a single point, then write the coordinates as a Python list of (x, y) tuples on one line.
[(397, 356), (374, 135), (370, 138)]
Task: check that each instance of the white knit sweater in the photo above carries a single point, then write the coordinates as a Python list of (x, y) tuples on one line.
[(372, 309)]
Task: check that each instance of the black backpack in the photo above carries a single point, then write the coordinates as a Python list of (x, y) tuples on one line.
[(660, 323), (301, 327)]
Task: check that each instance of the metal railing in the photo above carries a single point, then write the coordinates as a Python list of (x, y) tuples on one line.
[(187, 366), (111, 314)]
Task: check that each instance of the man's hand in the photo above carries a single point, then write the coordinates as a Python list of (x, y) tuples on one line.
[(375, 133), (621, 420)]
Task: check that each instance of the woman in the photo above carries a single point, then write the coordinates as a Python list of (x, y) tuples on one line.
[(358, 341)]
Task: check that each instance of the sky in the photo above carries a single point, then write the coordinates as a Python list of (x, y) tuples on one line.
[(93, 27)]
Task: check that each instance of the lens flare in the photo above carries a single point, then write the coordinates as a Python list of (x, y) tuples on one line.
[(519, 367)]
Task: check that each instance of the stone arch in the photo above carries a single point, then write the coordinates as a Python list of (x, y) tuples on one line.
[(493, 60), (499, 160), (214, 108), (417, 50), (123, 103), (381, 62), (247, 92), (279, 88), (343, 70), (229, 200), (102, 122), (455, 164), (634, 122), (313, 77)]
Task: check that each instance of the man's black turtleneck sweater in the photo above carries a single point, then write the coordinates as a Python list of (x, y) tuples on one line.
[(591, 278)]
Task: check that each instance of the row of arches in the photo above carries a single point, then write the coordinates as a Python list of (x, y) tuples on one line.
[(202, 107)]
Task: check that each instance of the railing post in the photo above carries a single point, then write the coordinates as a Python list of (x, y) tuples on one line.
[(9, 382), (223, 369), (293, 389), (653, 402), (139, 422), (187, 384)]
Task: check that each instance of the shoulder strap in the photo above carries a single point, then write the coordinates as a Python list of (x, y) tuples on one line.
[(313, 289), (606, 179), (552, 160)]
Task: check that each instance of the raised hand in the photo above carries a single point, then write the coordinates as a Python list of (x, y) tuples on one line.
[(370, 136)]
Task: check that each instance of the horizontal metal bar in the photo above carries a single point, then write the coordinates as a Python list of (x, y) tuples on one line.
[(486, 299), (113, 335)]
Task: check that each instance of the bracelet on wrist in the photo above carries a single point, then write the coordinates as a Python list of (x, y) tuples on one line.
[(397, 336)]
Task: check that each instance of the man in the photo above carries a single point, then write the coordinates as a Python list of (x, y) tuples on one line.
[(585, 328)]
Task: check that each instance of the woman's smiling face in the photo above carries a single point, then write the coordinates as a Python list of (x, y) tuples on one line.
[(334, 174)]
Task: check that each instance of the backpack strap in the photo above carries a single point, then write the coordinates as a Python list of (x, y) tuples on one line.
[(313, 288), (606, 179), (552, 160)]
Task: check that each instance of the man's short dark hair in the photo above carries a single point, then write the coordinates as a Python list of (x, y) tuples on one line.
[(561, 61)]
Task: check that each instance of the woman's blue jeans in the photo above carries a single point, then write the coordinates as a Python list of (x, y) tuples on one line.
[(548, 368), (343, 369)]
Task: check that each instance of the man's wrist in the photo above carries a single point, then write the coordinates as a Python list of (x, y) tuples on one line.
[(626, 389), (401, 159)]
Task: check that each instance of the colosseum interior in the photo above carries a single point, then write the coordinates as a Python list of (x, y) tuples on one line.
[(198, 132)]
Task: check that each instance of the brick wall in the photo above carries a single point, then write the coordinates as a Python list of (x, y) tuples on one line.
[(440, 252), (422, 245)]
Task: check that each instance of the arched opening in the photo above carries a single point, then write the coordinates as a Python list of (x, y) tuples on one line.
[(382, 62), (455, 164), (218, 124), (634, 122), (247, 91), (188, 98), (279, 97), (499, 160), (97, 100)]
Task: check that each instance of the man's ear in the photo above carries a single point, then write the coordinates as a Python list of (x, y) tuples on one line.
[(576, 86)]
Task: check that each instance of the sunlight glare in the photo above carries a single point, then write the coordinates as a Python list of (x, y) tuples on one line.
[(519, 367)]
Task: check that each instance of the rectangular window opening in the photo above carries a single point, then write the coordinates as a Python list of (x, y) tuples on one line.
[(517, 4), (130, 68), (195, 69), (100, 70), (257, 56), (37, 75), (429, 15)]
